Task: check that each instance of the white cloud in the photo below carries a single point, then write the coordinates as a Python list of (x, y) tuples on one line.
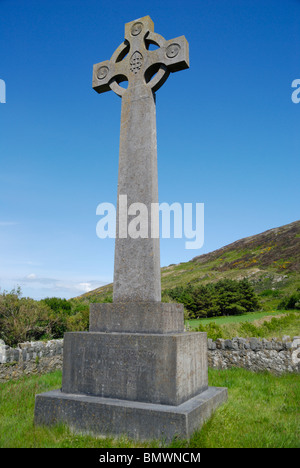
[(84, 287), (38, 286), (55, 286), (31, 276)]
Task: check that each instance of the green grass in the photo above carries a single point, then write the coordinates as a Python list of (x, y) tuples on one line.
[(256, 324), (248, 317), (262, 411)]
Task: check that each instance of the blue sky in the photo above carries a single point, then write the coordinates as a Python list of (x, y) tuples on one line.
[(228, 131)]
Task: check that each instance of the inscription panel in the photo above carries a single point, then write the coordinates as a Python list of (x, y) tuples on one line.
[(136, 367)]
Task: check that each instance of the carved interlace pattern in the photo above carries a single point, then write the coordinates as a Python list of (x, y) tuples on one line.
[(136, 62)]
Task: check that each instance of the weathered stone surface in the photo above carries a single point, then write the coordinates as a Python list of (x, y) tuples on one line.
[(137, 317), (253, 354), (137, 420), (137, 259), (30, 350), (115, 361), (220, 343), (16, 370), (211, 344), (166, 369), (255, 344)]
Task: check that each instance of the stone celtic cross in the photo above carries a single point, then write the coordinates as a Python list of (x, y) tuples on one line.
[(136, 371), (137, 260)]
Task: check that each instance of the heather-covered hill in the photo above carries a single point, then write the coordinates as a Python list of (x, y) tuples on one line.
[(269, 260)]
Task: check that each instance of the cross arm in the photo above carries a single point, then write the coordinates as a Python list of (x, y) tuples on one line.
[(171, 56), (105, 72), (102, 74), (174, 53)]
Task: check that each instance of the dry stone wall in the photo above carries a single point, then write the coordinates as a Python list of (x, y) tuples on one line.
[(256, 355), (38, 357), (250, 353)]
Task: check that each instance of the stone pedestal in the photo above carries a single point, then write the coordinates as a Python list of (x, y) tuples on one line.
[(144, 384)]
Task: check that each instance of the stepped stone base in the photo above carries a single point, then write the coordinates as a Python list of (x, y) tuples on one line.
[(145, 385), (137, 420)]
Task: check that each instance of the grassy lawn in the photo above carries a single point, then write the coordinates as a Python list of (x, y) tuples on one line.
[(267, 325), (248, 317), (262, 411)]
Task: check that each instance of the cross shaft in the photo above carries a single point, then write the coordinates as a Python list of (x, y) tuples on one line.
[(137, 260)]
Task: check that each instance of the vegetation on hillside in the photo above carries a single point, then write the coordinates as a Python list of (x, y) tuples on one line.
[(270, 261), (226, 297), (290, 302)]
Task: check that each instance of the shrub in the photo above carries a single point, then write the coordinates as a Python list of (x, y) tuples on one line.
[(79, 320), (290, 302), (213, 330), (58, 305), (270, 293), (23, 319), (248, 329), (226, 297)]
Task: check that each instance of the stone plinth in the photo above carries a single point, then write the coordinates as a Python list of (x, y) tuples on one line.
[(107, 416), (164, 369), (137, 317)]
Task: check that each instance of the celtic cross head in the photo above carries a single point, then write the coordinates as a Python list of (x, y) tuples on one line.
[(133, 61)]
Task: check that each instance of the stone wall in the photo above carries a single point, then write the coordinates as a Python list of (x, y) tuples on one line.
[(250, 353), (256, 355), (38, 357)]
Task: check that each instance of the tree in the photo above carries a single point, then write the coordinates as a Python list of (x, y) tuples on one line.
[(226, 297)]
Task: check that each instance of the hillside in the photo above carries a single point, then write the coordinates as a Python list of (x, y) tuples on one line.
[(270, 260)]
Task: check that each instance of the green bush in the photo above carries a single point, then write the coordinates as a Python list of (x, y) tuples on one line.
[(107, 298), (213, 330), (58, 305), (23, 319), (79, 320), (270, 293), (226, 297), (290, 302), (249, 329)]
